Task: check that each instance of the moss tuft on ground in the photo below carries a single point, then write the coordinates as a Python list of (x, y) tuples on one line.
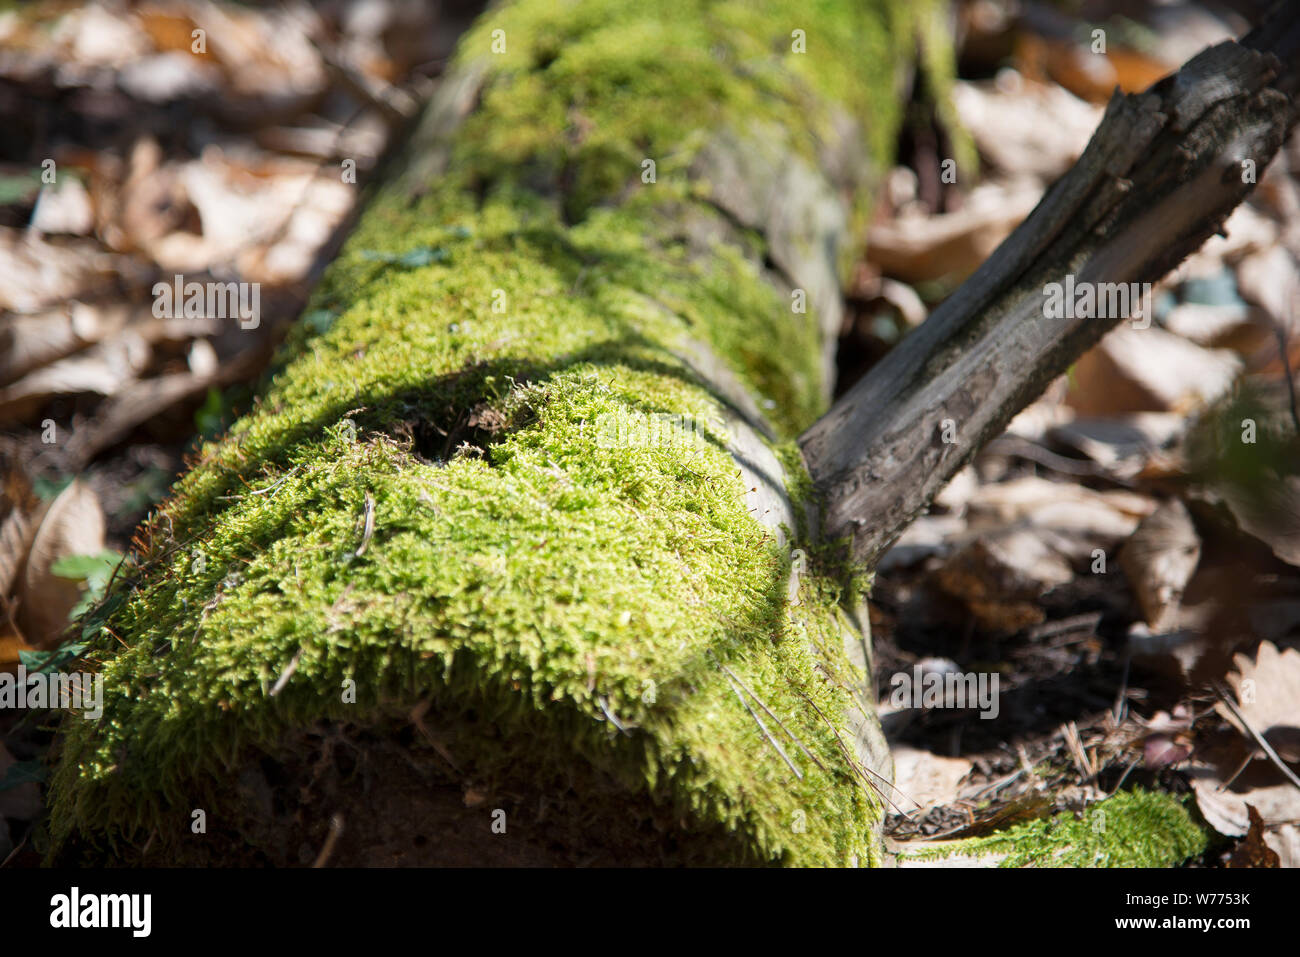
[(1131, 829)]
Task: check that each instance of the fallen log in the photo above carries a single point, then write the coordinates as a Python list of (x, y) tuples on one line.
[(515, 562), (500, 568)]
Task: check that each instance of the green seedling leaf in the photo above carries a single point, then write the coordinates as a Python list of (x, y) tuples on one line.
[(95, 570), (90, 568), (40, 662)]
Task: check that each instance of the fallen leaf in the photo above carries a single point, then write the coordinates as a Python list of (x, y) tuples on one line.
[(1285, 842), (916, 247), (928, 779), (1025, 127), (1176, 651), (1268, 693), (1159, 559), (1224, 808), (1252, 851), (65, 208), (106, 368), (72, 525), (1122, 444), (1149, 370), (1001, 577)]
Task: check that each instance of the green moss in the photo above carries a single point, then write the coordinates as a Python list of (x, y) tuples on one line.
[(585, 602), (627, 81), (1131, 829)]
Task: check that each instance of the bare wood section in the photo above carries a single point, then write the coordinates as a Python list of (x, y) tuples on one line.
[(1161, 174)]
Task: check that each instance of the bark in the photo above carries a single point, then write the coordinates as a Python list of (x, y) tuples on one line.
[(1160, 176)]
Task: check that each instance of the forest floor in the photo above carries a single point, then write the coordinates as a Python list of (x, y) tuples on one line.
[(1119, 559)]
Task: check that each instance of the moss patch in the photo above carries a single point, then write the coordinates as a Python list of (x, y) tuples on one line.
[(1131, 829), (422, 507)]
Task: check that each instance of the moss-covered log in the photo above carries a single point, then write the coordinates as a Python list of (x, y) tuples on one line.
[(507, 543)]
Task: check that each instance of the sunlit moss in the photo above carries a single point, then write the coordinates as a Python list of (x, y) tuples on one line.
[(1130, 829)]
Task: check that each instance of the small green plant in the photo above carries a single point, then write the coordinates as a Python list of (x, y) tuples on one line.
[(95, 570)]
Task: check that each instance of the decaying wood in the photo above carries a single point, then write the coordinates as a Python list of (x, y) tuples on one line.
[(1160, 176)]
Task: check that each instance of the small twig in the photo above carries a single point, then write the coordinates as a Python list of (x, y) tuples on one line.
[(1025, 764), (1245, 763), (857, 765), (995, 786), (767, 734), (336, 831), (276, 484), (283, 680), (604, 706), (795, 738), (1121, 699), (1015, 445), (417, 719), (1259, 738), (1070, 730), (260, 491), (396, 104), (1123, 777), (369, 528), (1077, 623)]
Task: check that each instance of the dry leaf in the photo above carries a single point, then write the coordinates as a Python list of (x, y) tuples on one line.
[(1121, 444), (1149, 370), (1273, 517), (1285, 842), (928, 779), (1271, 280), (106, 368), (28, 342), (1208, 325), (917, 247), (72, 525), (1026, 127), (1268, 694), (65, 208), (1001, 576), (1224, 808), (16, 531), (1252, 851), (36, 274), (1158, 561), (1176, 651)]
